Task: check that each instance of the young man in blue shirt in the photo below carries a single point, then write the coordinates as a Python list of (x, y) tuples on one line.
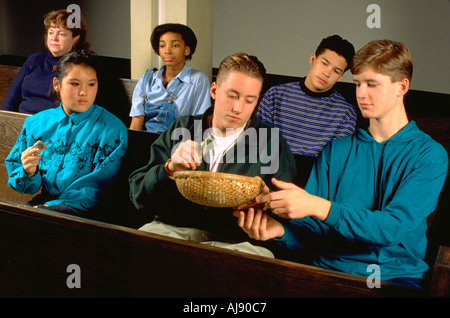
[(369, 194)]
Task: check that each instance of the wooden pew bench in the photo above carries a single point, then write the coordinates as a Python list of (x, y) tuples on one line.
[(106, 247), (7, 74), (118, 260), (38, 247), (10, 126)]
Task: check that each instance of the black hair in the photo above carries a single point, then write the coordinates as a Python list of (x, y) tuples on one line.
[(337, 44), (186, 32), (65, 63)]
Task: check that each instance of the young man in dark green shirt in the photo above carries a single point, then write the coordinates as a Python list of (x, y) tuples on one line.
[(241, 144)]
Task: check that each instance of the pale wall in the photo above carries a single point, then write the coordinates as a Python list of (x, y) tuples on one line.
[(284, 33)]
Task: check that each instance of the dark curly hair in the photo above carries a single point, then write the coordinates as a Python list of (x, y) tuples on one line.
[(186, 32), (337, 44)]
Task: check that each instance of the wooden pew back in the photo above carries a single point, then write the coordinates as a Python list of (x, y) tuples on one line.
[(29, 225), (118, 261), (10, 126), (7, 74), (177, 268)]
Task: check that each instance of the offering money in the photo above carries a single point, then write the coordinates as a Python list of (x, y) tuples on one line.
[(39, 145), (206, 145)]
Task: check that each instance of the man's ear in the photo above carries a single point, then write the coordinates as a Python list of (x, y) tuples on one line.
[(312, 58), (403, 87), (187, 50), (213, 90)]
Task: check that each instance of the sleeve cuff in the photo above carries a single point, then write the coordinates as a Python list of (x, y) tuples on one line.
[(137, 110), (23, 183), (288, 238), (334, 215)]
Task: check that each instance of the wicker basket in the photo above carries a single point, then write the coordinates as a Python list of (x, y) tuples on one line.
[(217, 189)]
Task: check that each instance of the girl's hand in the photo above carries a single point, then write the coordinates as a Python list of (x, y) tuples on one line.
[(30, 160)]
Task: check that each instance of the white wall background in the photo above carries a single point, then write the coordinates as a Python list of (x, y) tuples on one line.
[(284, 33)]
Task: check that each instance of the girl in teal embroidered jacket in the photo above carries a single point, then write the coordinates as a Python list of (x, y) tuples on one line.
[(84, 143)]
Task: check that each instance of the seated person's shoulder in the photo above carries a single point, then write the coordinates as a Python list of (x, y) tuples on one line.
[(288, 85), (35, 59), (37, 56), (433, 149), (283, 89), (199, 76), (43, 115), (110, 119)]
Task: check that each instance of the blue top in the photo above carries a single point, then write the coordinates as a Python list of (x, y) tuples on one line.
[(381, 195), (193, 97), (30, 90), (307, 120), (84, 152)]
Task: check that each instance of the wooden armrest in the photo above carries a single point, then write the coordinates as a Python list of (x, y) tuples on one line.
[(440, 279)]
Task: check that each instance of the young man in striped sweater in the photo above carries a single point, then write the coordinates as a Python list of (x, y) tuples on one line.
[(310, 113)]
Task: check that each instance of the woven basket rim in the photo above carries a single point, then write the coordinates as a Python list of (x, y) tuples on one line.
[(216, 175), (218, 188)]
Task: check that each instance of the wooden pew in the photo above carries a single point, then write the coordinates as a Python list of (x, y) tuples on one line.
[(36, 260), (118, 260), (7, 74), (38, 246), (10, 126)]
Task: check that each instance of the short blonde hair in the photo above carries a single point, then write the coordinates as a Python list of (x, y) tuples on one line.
[(242, 63), (385, 57)]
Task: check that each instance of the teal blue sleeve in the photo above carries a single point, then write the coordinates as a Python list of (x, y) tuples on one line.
[(21, 182), (84, 192), (17, 178), (416, 197), (399, 215)]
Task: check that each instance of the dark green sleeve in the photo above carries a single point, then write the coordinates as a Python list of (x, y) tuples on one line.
[(146, 179)]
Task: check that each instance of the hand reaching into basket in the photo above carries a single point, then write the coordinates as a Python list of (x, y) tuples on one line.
[(188, 154)]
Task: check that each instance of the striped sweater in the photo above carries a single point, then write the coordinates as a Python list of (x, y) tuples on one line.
[(307, 120)]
